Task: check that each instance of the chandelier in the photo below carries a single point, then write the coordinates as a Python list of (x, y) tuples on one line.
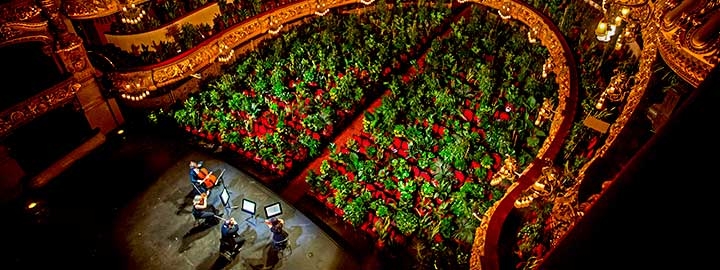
[(132, 14), (616, 14)]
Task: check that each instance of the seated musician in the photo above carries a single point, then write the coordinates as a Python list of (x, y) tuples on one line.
[(230, 240), (279, 235), (202, 210), (195, 178)]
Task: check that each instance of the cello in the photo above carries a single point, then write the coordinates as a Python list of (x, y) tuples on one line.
[(209, 179)]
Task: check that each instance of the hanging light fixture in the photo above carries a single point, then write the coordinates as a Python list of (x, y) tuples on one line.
[(132, 14)]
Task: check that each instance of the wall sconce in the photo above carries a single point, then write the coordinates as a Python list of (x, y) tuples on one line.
[(275, 31), (507, 171), (225, 53), (367, 2), (135, 97), (323, 12), (532, 34), (321, 6), (134, 92), (506, 10), (545, 112), (132, 15), (271, 22), (615, 91)]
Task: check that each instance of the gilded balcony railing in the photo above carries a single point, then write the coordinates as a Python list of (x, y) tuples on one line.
[(484, 250), (34, 107), (137, 82)]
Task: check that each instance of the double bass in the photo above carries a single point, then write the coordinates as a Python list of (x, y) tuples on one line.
[(209, 179)]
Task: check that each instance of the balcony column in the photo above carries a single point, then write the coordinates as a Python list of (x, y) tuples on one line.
[(101, 112)]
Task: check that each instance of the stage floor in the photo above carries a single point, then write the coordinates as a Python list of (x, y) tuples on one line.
[(157, 228), (128, 206)]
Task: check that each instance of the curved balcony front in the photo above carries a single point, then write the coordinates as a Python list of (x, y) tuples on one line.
[(126, 42), (141, 80)]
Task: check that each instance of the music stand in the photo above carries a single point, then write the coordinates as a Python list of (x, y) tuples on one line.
[(220, 179), (225, 197), (249, 207), (273, 210)]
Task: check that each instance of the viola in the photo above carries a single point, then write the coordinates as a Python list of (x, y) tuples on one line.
[(203, 197), (209, 179)]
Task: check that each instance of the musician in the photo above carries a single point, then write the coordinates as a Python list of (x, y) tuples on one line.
[(195, 178), (202, 210), (279, 235), (230, 240)]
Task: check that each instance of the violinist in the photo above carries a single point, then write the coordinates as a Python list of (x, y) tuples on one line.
[(203, 210), (279, 235)]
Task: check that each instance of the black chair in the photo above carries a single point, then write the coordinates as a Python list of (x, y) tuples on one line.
[(282, 247)]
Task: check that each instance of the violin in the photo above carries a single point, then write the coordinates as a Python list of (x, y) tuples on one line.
[(209, 179), (203, 197)]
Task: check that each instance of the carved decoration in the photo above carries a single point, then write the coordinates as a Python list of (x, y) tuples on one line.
[(38, 105), (20, 11), (149, 80), (690, 41), (179, 70), (567, 80), (63, 38), (132, 82), (648, 56), (88, 9), (75, 60), (14, 33)]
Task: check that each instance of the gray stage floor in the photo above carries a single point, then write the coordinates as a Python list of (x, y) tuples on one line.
[(157, 230)]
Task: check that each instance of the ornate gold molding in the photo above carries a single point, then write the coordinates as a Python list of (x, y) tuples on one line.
[(17, 32), (20, 11), (88, 9), (172, 71), (75, 59), (688, 40), (648, 57), (21, 21), (38, 105), (567, 80)]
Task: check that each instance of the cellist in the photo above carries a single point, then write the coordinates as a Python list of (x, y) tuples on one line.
[(195, 177)]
